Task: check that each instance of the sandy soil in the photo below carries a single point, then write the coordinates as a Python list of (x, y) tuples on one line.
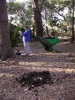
[(60, 65)]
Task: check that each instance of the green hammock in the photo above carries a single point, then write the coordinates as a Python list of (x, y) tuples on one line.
[(48, 42), (52, 40)]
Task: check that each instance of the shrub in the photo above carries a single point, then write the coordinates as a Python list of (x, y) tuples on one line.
[(14, 34)]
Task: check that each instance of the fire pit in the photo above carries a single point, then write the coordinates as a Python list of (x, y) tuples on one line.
[(34, 79)]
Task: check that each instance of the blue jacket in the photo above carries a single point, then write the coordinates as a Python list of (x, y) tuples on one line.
[(26, 35)]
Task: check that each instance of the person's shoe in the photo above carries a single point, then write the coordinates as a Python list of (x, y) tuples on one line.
[(26, 54)]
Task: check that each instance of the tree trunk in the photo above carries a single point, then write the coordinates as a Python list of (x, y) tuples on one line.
[(38, 19), (72, 38), (38, 22), (5, 45)]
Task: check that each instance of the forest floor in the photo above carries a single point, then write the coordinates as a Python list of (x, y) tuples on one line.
[(61, 67)]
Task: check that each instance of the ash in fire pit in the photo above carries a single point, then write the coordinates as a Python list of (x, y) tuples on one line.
[(34, 79)]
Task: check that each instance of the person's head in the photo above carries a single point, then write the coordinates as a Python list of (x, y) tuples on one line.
[(26, 27)]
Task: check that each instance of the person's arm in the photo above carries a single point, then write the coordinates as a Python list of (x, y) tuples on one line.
[(22, 33), (25, 33)]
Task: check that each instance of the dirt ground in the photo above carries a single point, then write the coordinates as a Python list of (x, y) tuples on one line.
[(60, 65)]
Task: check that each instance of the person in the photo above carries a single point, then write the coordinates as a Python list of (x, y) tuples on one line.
[(26, 40)]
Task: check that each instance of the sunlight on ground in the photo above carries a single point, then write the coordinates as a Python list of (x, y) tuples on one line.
[(50, 67), (8, 75)]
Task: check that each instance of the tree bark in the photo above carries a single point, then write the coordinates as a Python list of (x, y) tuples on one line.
[(37, 18), (72, 38), (38, 22), (5, 45)]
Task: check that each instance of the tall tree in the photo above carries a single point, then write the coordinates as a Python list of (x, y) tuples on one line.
[(37, 18), (72, 38), (22, 12), (5, 45)]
